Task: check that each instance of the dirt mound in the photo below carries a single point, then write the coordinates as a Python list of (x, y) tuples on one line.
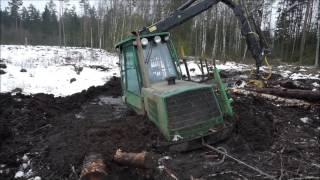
[(255, 122), (35, 123)]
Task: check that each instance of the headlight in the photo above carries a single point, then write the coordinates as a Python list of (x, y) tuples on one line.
[(157, 39), (166, 38), (144, 41)]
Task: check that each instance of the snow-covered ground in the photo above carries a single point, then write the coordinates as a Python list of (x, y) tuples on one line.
[(195, 68), (65, 71), (55, 70), (286, 71)]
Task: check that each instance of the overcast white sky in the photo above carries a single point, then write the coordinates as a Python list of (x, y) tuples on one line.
[(40, 4)]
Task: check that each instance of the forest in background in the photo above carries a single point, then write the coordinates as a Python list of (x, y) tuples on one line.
[(291, 27)]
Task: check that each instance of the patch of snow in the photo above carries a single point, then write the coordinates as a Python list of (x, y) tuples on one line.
[(19, 174), (25, 170), (233, 66), (161, 167), (305, 119), (29, 173), (165, 158), (194, 69), (161, 162), (177, 137), (79, 116), (37, 178), (25, 165), (296, 76), (244, 76), (111, 100), (286, 73), (241, 85), (315, 84), (50, 69), (25, 157)]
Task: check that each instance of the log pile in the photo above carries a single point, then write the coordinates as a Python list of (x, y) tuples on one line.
[(312, 96), (284, 101)]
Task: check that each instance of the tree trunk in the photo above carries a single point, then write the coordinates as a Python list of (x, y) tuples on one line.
[(59, 29), (139, 160), (26, 41), (94, 168), (313, 96), (304, 31), (318, 38), (283, 101), (63, 33), (215, 44), (224, 34), (123, 23), (84, 31), (204, 35), (318, 44), (62, 21), (245, 53), (91, 38), (295, 37)]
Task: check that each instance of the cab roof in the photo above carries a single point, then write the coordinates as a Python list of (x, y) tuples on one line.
[(133, 37)]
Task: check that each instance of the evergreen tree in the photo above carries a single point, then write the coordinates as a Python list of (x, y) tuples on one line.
[(46, 21), (14, 7)]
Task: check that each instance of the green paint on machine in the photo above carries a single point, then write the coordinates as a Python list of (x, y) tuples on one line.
[(185, 109)]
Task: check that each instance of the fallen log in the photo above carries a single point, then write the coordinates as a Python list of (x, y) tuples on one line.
[(312, 96), (293, 84), (93, 168), (145, 160), (139, 160), (283, 101)]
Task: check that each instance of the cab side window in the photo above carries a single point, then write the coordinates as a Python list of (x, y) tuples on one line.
[(131, 70)]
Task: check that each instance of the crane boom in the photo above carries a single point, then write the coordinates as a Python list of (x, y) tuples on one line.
[(190, 9)]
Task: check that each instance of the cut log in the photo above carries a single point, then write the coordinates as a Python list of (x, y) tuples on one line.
[(312, 96), (140, 160), (294, 84), (283, 101), (145, 160), (93, 168)]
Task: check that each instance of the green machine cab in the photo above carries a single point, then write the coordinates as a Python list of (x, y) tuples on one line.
[(152, 85)]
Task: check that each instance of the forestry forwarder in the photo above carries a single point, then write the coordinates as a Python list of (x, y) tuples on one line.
[(152, 83)]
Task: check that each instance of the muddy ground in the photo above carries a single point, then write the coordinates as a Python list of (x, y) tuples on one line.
[(49, 137)]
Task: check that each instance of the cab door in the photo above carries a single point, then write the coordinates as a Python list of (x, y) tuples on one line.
[(132, 79)]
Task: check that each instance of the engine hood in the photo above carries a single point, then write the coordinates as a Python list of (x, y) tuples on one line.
[(162, 89)]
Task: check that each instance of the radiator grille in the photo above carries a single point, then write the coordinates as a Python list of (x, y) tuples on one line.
[(191, 108)]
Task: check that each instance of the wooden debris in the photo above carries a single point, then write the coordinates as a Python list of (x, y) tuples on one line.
[(140, 160), (294, 84), (93, 168), (312, 96), (283, 101)]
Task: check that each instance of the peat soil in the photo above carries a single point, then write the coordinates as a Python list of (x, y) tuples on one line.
[(49, 137)]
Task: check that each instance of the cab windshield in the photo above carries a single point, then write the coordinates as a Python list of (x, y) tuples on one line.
[(159, 61)]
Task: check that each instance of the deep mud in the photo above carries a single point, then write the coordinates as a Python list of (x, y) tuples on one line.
[(57, 133)]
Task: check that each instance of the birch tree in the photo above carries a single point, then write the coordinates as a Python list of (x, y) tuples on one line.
[(318, 37), (304, 30)]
